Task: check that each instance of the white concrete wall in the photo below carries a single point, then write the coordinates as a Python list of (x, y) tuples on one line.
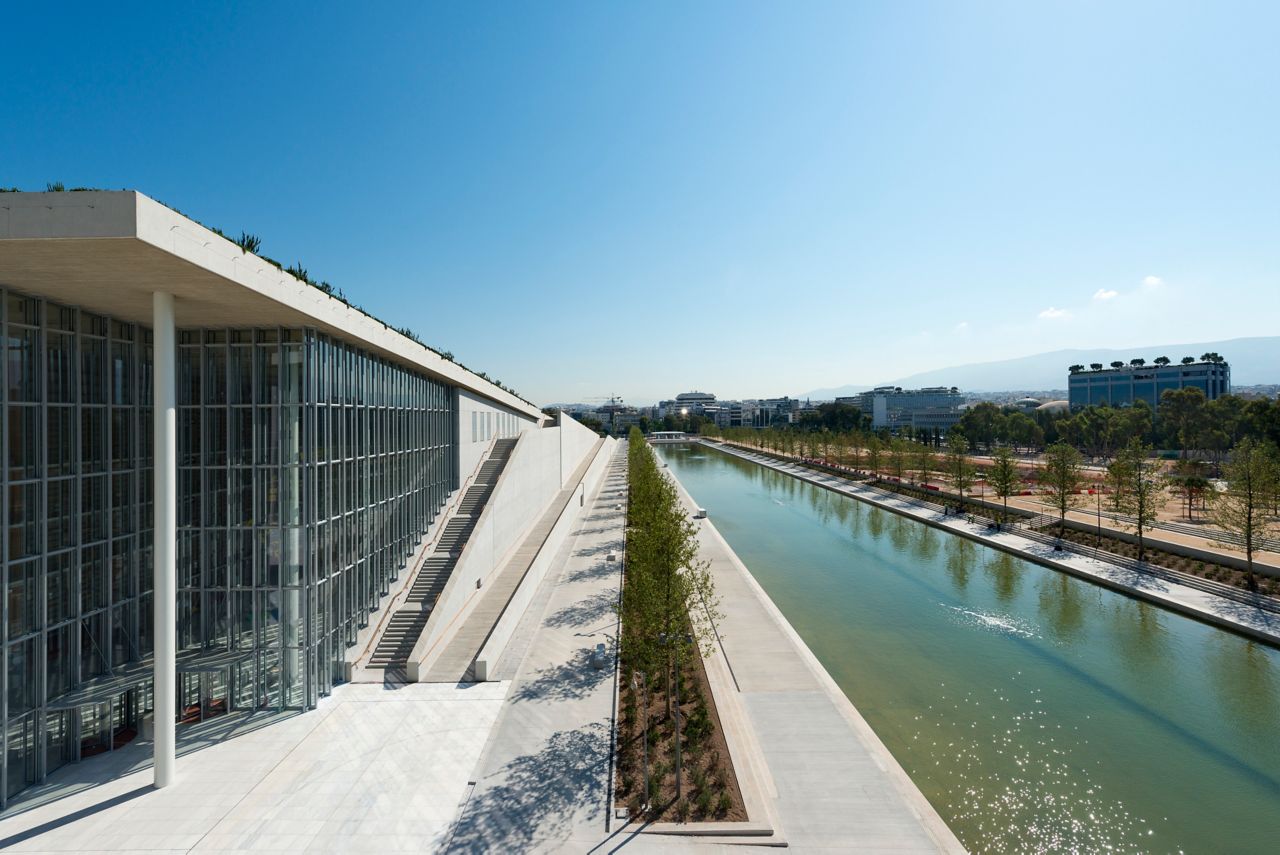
[(479, 421), (575, 442), (533, 475), (575, 509)]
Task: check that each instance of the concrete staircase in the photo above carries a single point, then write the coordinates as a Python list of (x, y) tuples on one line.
[(391, 648)]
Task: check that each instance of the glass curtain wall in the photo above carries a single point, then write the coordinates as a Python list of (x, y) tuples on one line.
[(308, 472), (77, 506)]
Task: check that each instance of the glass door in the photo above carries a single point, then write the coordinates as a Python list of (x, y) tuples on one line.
[(215, 693), (95, 729), (124, 719), (188, 697)]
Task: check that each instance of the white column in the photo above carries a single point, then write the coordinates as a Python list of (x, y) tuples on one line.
[(166, 536)]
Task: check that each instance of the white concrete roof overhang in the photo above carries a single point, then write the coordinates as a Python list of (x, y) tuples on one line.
[(108, 251)]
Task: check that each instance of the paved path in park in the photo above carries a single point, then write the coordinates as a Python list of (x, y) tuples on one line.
[(1229, 614)]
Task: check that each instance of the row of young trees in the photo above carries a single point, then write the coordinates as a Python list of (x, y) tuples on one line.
[(1185, 420), (669, 604), (1246, 506)]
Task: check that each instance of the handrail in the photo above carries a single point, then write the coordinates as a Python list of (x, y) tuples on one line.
[(425, 548)]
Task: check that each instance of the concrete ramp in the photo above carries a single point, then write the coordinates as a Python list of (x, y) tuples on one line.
[(456, 661), (390, 648)]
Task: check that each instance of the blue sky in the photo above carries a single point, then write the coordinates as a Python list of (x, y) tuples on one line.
[(753, 199)]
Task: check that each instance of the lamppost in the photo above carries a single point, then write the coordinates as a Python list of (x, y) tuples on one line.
[(674, 641), (1097, 541), (640, 688)]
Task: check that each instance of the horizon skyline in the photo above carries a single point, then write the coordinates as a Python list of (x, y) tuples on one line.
[(766, 193), (853, 387)]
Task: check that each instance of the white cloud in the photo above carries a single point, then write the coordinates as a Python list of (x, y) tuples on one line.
[(963, 326), (1152, 281), (1052, 313), (1105, 294)]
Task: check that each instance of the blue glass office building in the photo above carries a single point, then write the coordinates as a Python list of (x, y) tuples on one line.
[(1121, 387)]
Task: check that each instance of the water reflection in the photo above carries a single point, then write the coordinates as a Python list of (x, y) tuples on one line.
[(1140, 636), (925, 546), (1246, 683), (901, 531), (876, 519), (962, 554), (1062, 605), (1003, 571)]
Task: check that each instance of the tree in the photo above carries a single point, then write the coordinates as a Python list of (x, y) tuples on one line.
[(924, 462), (1061, 477), (1162, 361), (959, 468), (1189, 482), (875, 455), (1138, 363), (982, 422), (1242, 508), (1095, 366), (1022, 431), (1117, 364), (1075, 369), (1141, 496), (670, 606), (1003, 475), (1183, 416), (1187, 360), (898, 451)]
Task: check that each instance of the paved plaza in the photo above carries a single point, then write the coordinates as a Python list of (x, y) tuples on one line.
[(372, 769)]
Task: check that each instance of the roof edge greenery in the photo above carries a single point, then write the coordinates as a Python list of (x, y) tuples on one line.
[(251, 243)]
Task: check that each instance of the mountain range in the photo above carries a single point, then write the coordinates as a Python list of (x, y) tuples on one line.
[(1253, 361)]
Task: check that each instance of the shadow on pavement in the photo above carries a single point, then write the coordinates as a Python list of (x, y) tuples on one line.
[(539, 795)]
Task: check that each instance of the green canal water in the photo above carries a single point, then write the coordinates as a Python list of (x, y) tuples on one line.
[(1037, 712)]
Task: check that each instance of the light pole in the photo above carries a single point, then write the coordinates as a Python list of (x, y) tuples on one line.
[(637, 681), (674, 641), (1097, 541)]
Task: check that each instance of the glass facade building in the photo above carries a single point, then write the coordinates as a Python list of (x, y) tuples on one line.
[(1121, 387), (308, 471)]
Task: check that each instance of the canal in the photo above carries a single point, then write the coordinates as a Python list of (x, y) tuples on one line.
[(1037, 712)]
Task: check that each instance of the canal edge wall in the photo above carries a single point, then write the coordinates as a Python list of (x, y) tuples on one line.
[(930, 821), (1249, 621)]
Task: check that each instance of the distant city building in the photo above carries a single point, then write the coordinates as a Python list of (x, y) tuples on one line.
[(1121, 387), (771, 411), (893, 407), (618, 417), (687, 404)]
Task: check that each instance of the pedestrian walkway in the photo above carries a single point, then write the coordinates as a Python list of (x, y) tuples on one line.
[(1237, 616), (542, 781), (459, 655)]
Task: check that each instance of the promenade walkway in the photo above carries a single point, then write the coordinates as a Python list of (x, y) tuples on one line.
[(542, 781), (1236, 616)]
